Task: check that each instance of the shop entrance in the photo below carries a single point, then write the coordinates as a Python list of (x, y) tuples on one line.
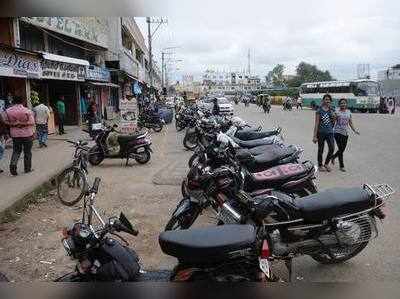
[(69, 90)]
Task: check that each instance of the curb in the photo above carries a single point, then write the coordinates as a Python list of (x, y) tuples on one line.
[(10, 213)]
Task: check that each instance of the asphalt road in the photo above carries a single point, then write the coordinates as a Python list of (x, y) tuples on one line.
[(30, 248), (372, 157)]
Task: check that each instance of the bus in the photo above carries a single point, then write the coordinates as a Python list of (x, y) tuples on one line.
[(362, 95)]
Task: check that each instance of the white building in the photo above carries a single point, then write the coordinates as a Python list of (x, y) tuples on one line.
[(230, 82), (389, 80)]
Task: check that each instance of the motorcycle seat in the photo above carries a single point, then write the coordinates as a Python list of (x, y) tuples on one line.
[(334, 202), (205, 244), (128, 138), (278, 175), (248, 135), (255, 142)]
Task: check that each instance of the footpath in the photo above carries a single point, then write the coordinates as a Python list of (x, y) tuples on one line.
[(47, 164)]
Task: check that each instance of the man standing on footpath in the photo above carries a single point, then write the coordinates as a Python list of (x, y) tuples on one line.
[(21, 122), (42, 115), (61, 115)]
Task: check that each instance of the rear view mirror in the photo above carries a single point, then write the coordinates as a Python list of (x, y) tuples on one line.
[(127, 225)]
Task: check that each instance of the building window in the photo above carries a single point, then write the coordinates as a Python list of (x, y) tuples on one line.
[(126, 40), (31, 37)]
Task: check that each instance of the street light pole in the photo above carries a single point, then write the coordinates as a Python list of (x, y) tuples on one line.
[(150, 37), (150, 51)]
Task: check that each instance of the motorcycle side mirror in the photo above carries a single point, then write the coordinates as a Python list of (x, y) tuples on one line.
[(126, 225)]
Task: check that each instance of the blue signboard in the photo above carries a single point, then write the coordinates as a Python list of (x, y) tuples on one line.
[(96, 73)]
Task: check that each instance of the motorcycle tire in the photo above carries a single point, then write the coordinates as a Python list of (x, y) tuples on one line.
[(179, 127), (143, 157), (72, 179), (190, 142), (95, 156), (353, 250), (184, 191), (184, 221), (3, 278), (192, 160), (158, 127)]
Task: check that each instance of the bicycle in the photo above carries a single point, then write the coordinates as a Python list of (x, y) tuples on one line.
[(74, 179)]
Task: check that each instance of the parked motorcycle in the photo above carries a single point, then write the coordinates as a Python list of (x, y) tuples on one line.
[(229, 253), (150, 120), (135, 146), (332, 226)]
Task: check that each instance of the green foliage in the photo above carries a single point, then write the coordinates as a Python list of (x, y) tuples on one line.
[(306, 72), (276, 75), (35, 98)]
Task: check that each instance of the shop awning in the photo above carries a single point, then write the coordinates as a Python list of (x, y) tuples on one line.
[(59, 58), (104, 84)]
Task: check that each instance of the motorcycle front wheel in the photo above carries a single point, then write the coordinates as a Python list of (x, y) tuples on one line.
[(3, 278), (158, 127), (183, 221), (190, 141), (71, 186)]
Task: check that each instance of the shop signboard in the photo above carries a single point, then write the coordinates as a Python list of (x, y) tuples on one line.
[(95, 73), (129, 114), (89, 29), (16, 64), (62, 71)]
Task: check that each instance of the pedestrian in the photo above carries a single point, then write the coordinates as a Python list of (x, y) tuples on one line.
[(91, 115), (299, 103), (21, 122), (343, 121), (215, 109), (61, 114), (394, 106), (3, 133), (42, 115), (323, 131)]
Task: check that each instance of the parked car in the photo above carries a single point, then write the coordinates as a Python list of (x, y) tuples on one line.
[(225, 106)]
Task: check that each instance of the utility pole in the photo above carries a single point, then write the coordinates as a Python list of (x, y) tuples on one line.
[(248, 63), (163, 67), (150, 36)]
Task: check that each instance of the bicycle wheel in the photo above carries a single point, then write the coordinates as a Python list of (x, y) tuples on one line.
[(71, 186)]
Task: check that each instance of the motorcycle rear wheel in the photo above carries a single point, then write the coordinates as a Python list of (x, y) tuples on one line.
[(340, 255), (352, 252), (143, 157), (95, 156)]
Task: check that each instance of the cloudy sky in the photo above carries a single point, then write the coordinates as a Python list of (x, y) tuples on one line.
[(335, 35)]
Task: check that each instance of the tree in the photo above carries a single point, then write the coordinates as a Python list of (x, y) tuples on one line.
[(276, 75), (306, 72)]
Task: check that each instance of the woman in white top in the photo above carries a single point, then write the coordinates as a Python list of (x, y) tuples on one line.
[(343, 121)]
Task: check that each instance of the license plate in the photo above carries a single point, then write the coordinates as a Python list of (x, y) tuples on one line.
[(96, 127), (265, 267)]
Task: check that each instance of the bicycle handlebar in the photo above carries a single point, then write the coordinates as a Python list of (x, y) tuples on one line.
[(96, 184)]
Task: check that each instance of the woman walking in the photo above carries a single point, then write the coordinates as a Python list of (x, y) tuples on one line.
[(343, 121), (323, 131)]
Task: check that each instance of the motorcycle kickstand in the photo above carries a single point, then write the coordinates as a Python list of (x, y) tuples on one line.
[(289, 266), (127, 160)]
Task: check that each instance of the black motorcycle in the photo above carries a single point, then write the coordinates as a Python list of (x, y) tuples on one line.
[(135, 146), (150, 120), (229, 253), (332, 226)]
